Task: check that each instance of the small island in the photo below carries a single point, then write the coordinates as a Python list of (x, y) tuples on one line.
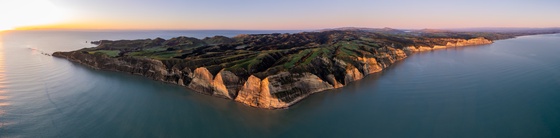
[(273, 71)]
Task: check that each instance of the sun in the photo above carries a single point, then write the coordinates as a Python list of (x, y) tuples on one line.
[(3, 28), (21, 13)]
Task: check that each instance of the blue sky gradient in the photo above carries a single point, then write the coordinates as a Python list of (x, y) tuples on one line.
[(310, 14)]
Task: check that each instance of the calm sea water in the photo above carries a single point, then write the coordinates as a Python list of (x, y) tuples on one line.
[(507, 89)]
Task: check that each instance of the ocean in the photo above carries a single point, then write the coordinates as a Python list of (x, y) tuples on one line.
[(507, 89)]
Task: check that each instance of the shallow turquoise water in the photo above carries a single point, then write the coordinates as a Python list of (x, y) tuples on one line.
[(507, 89)]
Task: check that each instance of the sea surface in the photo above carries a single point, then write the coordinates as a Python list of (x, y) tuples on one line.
[(507, 89)]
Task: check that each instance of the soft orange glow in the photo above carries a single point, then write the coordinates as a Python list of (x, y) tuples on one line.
[(18, 13), (2, 78), (2, 69), (258, 15)]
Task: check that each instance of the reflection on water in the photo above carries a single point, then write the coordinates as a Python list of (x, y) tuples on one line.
[(507, 89), (3, 98)]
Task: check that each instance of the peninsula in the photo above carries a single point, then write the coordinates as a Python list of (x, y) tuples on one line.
[(273, 71)]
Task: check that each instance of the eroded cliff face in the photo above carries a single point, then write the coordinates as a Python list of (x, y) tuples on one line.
[(227, 84), (272, 92), (450, 43), (352, 74), (264, 84), (150, 68), (202, 80), (289, 88), (281, 90), (470, 42), (250, 93), (389, 56), (370, 65), (332, 80)]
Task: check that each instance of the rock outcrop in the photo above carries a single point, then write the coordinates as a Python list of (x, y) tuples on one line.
[(265, 71), (202, 81), (227, 84), (370, 65), (250, 93), (450, 43)]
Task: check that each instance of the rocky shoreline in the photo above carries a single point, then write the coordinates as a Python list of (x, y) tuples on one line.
[(280, 89), (254, 91)]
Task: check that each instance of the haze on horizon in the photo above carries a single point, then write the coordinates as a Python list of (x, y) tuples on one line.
[(275, 15)]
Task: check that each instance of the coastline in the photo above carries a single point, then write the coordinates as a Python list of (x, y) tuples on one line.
[(254, 91), (409, 52)]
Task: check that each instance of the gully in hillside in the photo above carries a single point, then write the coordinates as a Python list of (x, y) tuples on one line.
[(269, 70)]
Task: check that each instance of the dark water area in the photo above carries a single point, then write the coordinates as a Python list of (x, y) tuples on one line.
[(507, 89)]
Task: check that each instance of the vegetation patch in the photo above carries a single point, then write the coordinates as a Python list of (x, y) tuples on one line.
[(110, 53)]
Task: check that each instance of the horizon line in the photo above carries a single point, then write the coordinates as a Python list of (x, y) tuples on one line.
[(95, 29)]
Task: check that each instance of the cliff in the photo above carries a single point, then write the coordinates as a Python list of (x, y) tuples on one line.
[(269, 71), (450, 43)]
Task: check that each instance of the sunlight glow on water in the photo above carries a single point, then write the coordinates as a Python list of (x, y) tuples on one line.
[(3, 98)]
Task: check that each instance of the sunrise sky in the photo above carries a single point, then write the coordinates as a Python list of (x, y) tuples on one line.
[(275, 14)]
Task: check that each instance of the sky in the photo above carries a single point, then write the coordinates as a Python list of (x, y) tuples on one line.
[(275, 14)]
